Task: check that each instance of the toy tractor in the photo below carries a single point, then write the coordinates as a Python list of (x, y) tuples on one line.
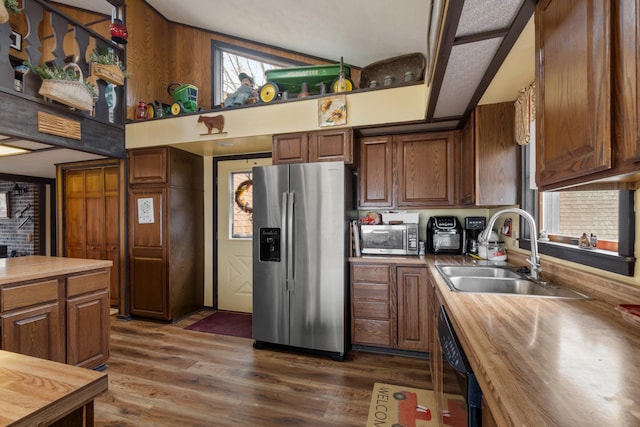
[(185, 98)]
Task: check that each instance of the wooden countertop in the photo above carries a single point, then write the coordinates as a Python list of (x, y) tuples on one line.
[(545, 362), (35, 267), (37, 391)]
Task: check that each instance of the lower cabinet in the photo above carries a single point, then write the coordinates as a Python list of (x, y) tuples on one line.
[(388, 306), (33, 320)]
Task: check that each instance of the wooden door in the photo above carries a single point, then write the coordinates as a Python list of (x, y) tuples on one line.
[(375, 177), (74, 214), (148, 166), (290, 148), (573, 72), (413, 323), (331, 146), (111, 250), (94, 212), (425, 165)]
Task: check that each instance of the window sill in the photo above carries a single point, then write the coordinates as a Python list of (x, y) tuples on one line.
[(595, 258)]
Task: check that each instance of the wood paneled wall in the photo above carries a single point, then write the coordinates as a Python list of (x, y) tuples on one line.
[(160, 52)]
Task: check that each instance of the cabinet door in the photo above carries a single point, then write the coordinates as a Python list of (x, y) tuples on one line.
[(425, 169), (88, 330), (112, 229), (573, 72), (147, 249), (375, 178), (627, 88), (331, 146), (148, 165), (290, 148), (412, 288), (37, 332), (467, 168), (497, 161)]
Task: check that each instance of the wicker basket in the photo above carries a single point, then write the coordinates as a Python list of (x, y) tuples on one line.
[(109, 73), (69, 92), (4, 14)]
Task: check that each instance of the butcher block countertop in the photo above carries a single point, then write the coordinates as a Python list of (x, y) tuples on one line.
[(35, 267), (545, 362), (38, 392)]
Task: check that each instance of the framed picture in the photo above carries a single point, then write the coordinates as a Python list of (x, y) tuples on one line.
[(332, 110), (16, 41), (4, 204)]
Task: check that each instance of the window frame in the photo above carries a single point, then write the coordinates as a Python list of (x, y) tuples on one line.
[(217, 48), (621, 263)]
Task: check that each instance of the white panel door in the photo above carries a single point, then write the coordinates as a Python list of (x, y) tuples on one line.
[(234, 234)]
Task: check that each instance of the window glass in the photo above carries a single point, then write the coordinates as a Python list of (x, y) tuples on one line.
[(572, 213), (241, 209), (234, 64)]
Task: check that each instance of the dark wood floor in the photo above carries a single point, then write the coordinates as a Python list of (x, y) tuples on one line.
[(164, 375)]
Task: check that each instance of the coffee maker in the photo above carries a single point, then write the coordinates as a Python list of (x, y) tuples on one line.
[(473, 226)]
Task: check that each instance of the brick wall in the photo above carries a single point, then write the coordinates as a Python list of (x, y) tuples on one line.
[(589, 212), (18, 232)]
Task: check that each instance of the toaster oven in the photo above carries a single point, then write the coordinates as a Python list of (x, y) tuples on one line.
[(386, 239), (444, 235)]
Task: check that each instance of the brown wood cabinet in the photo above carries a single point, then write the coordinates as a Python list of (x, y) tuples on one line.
[(407, 171), (489, 169), (388, 306), (435, 354), (91, 216), (320, 146), (588, 120), (166, 242), (64, 318)]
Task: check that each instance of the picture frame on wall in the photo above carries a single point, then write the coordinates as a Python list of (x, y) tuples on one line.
[(4, 204), (16, 41)]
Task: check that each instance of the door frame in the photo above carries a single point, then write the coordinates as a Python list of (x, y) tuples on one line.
[(214, 215)]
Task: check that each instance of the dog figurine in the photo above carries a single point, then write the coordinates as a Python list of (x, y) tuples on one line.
[(212, 122)]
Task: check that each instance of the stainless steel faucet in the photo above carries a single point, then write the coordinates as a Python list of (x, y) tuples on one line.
[(534, 259)]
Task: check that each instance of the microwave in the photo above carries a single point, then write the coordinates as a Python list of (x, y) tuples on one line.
[(396, 239)]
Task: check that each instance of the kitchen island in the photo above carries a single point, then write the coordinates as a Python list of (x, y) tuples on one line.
[(546, 362), (56, 308), (38, 392)]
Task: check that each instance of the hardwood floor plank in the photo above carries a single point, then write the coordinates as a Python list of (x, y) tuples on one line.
[(163, 375)]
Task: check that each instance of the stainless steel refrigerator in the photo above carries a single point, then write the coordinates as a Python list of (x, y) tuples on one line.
[(300, 232)]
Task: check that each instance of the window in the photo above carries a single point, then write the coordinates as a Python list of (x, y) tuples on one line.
[(241, 209), (230, 60), (567, 215)]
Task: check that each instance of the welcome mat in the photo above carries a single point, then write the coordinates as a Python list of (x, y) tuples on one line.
[(225, 323), (393, 405)]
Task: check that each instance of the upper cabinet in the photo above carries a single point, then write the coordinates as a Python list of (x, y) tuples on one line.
[(489, 170), (412, 171), (587, 100), (320, 146)]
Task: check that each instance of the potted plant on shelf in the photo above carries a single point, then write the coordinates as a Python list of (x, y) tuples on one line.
[(107, 66), (66, 85), (7, 6)]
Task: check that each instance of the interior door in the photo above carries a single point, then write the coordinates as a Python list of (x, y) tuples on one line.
[(234, 272)]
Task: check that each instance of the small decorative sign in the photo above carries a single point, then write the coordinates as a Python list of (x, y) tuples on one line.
[(145, 211), (332, 110), (54, 125)]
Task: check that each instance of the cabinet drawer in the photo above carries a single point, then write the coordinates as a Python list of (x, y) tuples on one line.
[(371, 291), (371, 310), (29, 294), (85, 283), (371, 272), (372, 332)]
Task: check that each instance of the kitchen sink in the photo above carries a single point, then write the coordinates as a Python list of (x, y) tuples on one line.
[(477, 271), (503, 281)]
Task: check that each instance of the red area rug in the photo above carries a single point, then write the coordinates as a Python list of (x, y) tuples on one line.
[(225, 323)]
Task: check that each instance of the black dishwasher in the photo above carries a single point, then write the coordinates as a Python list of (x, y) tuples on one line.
[(454, 355)]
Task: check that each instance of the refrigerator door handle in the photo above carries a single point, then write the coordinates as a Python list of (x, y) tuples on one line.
[(289, 237), (285, 237)]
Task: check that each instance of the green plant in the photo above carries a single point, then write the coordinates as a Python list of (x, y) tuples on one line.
[(12, 6), (106, 57)]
